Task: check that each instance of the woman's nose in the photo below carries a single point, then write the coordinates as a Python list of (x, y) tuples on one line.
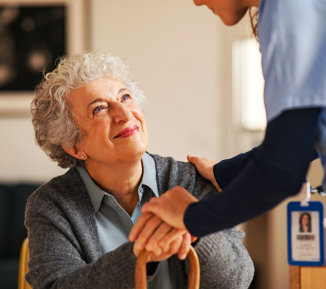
[(120, 113)]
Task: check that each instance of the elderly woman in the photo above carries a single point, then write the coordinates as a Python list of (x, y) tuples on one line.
[(87, 116)]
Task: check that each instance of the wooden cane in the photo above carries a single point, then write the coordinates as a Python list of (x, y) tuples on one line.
[(141, 276)]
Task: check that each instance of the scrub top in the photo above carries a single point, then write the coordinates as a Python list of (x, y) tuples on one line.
[(292, 36)]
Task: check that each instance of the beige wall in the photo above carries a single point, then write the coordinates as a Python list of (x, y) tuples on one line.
[(21, 159)]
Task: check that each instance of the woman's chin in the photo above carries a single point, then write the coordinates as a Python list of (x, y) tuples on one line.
[(133, 152)]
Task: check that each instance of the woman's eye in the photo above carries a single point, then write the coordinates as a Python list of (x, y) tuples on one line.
[(98, 109), (125, 97)]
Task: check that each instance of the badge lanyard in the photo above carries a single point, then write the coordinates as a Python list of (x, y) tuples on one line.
[(306, 246)]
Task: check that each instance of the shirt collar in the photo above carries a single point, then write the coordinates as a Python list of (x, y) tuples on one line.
[(96, 194), (149, 174)]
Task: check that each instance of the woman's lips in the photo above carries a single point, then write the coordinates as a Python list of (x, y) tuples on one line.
[(128, 131)]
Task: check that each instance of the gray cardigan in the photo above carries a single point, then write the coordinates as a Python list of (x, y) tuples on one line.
[(65, 251)]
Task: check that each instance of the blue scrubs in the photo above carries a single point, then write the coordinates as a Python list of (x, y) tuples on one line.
[(292, 37)]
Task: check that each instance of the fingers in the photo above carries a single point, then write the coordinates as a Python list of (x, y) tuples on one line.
[(169, 238), (147, 230), (185, 246), (193, 238), (200, 162), (160, 229), (171, 206), (138, 227), (175, 245), (160, 232), (154, 206), (190, 158), (205, 167), (162, 241), (216, 185), (180, 245)]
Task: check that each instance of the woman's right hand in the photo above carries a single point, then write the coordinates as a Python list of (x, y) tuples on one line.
[(205, 167), (155, 230)]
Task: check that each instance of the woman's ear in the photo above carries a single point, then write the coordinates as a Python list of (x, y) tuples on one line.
[(74, 152)]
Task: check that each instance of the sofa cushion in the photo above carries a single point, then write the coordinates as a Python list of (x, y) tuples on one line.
[(13, 200), (3, 219), (9, 273)]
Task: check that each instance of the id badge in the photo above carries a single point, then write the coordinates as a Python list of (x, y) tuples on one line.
[(306, 245)]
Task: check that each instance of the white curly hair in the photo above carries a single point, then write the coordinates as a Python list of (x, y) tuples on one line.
[(52, 118)]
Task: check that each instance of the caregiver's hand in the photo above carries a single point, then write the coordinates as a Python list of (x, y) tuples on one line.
[(153, 232), (205, 168), (171, 206)]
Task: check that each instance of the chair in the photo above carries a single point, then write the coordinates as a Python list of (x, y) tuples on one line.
[(302, 277), (23, 266), (140, 270)]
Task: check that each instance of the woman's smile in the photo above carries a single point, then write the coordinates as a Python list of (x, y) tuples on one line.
[(129, 131)]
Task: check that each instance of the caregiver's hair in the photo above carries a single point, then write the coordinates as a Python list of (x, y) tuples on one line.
[(52, 118)]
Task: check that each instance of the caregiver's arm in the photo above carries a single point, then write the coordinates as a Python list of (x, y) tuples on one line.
[(222, 173), (275, 172)]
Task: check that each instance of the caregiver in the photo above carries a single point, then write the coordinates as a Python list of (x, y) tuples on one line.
[(292, 38)]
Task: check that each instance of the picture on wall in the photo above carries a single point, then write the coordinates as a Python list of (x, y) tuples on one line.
[(32, 37)]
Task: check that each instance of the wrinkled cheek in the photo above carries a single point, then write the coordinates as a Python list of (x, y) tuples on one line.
[(142, 142)]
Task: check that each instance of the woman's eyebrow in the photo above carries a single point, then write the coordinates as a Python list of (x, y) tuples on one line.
[(122, 90), (99, 99), (94, 101)]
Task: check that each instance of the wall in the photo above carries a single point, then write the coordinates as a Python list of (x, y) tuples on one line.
[(21, 158)]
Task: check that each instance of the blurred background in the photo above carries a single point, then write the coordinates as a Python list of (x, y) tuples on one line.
[(204, 97)]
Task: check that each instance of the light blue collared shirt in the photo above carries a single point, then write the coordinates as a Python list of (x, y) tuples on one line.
[(114, 223), (292, 38)]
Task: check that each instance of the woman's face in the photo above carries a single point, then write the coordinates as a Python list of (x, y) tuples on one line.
[(230, 11), (305, 219), (112, 124)]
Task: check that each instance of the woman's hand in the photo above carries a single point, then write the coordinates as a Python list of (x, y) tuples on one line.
[(160, 239), (205, 168)]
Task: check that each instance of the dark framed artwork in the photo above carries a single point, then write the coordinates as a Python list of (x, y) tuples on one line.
[(34, 34)]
